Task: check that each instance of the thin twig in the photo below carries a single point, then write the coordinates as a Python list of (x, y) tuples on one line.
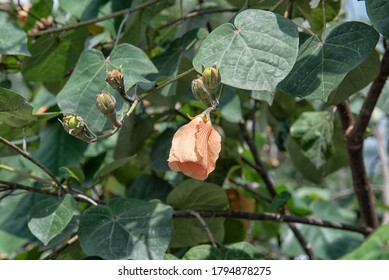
[(289, 9), (196, 14), (306, 246), (276, 5), (250, 189), (93, 21), (62, 248), (204, 224), (120, 30), (27, 156), (276, 217), (26, 175), (323, 3)]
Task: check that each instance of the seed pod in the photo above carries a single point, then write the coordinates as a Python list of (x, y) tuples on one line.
[(115, 79), (75, 125), (203, 94), (211, 78), (105, 103)]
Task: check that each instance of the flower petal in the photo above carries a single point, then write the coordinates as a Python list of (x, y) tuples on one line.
[(208, 145)]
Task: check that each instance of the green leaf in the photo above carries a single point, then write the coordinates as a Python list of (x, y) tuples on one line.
[(374, 248), (280, 200), (49, 217), (58, 148), (15, 111), (74, 7), (51, 58), (314, 13), (254, 53), (135, 131), (13, 40), (235, 251), (196, 195), (75, 173), (328, 243), (338, 157), (112, 166), (323, 63), (88, 79), (357, 79), (230, 107), (160, 151), (377, 11), (313, 131), (148, 187), (126, 228)]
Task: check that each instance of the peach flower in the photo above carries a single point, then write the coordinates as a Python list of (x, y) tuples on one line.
[(195, 147)]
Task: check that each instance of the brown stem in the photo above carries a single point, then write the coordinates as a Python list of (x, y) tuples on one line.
[(354, 139), (276, 217)]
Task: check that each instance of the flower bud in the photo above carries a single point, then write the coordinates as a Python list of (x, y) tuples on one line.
[(211, 77), (203, 94), (75, 125), (115, 79), (105, 103)]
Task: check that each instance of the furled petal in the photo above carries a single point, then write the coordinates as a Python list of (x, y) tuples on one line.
[(195, 149)]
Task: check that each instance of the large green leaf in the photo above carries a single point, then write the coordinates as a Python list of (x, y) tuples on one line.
[(58, 148), (160, 151), (314, 131), (374, 248), (126, 228), (235, 251), (88, 79), (52, 57), (196, 195), (148, 187), (357, 79), (378, 11), (15, 111), (255, 53), (323, 63), (49, 217), (13, 40)]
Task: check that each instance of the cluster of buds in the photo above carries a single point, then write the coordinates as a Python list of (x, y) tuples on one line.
[(105, 103), (75, 125), (205, 86)]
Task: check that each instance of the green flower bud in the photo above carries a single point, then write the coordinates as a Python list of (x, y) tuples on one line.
[(211, 78), (203, 94), (75, 125), (105, 103), (115, 79)]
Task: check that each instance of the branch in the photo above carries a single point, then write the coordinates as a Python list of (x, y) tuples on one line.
[(92, 21), (204, 224), (27, 156), (274, 217), (196, 14), (354, 132)]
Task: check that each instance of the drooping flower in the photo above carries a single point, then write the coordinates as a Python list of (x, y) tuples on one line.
[(195, 148)]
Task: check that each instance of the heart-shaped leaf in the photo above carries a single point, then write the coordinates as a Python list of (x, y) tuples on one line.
[(15, 111), (313, 131), (126, 228), (49, 217), (254, 53), (323, 63), (88, 79), (378, 11), (13, 40)]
